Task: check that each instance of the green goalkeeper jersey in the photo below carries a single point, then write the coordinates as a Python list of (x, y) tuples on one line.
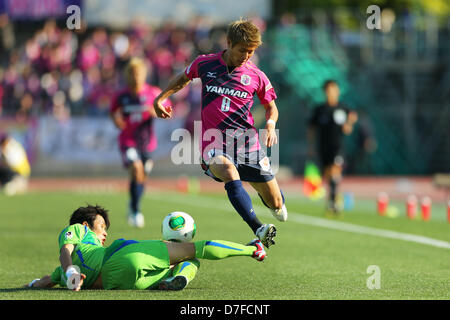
[(87, 255)]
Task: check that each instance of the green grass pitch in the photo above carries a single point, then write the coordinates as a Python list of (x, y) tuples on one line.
[(308, 261)]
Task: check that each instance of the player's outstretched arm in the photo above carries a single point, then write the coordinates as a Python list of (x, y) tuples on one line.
[(271, 118), (175, 85), (65, 257), (44, 282), (118, 120), (66, 262), (352, 118)]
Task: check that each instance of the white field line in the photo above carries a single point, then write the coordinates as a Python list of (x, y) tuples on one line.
[(217, 204)]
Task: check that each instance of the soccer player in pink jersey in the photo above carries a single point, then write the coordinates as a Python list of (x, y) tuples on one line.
[(230, 147), (132, 112)]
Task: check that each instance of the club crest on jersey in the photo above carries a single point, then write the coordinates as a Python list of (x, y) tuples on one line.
[(245, 79), (265, 164), (69, 235)]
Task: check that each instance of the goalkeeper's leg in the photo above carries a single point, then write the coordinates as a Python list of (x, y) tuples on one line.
[(182, 274), (213, 250), (220, 249), (185, 257)]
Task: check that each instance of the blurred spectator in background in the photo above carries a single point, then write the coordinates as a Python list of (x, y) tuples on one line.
[(287, 20), (1, 92), (7, 37), (327, 126), (60, 73), (14, 166)]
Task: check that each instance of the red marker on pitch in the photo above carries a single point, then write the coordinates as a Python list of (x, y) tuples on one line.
[(426, 208), (411, 206), (382, 203), (182, 184)]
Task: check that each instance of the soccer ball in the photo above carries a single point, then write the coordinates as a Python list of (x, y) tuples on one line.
[(178, 226)]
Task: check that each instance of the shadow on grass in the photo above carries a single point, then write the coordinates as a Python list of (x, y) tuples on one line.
[(156, 291), (12, 290)]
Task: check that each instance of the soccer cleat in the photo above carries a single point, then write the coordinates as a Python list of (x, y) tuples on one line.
[(266, 233), (136, 220), (280, 214), (18, 185), (259, 254), (173, 283), (333, 209), (148, 166)]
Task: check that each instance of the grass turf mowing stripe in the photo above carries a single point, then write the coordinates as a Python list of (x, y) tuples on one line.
[(205, 202)]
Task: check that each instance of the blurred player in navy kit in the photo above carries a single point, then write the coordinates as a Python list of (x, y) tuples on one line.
[(326, 128), (133, 114)]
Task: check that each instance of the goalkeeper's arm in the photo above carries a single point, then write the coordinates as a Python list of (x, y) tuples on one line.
[(66, 261), (44, 282)]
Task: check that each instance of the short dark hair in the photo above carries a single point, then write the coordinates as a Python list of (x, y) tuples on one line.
[(88, 214), (328, 82)]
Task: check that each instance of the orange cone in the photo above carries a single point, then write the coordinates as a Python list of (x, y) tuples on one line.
[(426, 208), (382, 203), (411, 206)]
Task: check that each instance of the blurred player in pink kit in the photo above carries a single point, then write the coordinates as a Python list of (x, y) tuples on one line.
[(230, 147), (132, 112)]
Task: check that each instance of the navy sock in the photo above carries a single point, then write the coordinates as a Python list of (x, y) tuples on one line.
[(333, 189), (136, 191), (241, 201)]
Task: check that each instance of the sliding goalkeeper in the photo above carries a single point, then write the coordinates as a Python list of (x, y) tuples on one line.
[(130, 264)]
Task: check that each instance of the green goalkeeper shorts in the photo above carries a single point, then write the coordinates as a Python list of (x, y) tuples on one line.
[(131, 264)]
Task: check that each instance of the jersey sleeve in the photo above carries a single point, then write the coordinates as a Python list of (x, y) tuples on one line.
[(73, 234), (266, 93), (57, 277), (191, 71)]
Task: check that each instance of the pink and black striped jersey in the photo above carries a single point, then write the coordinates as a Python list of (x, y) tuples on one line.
[(135, 110), (227, 98)]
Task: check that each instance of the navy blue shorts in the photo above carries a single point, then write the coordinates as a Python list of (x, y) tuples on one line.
[(132, 154), (250, 172), (330, 156)]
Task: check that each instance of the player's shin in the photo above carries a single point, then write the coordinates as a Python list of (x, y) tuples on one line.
[(182, 274), (187, 269), (242, 202), (136, 191), (334, 183)]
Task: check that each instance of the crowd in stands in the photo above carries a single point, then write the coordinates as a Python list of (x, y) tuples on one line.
[(59, 72)]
